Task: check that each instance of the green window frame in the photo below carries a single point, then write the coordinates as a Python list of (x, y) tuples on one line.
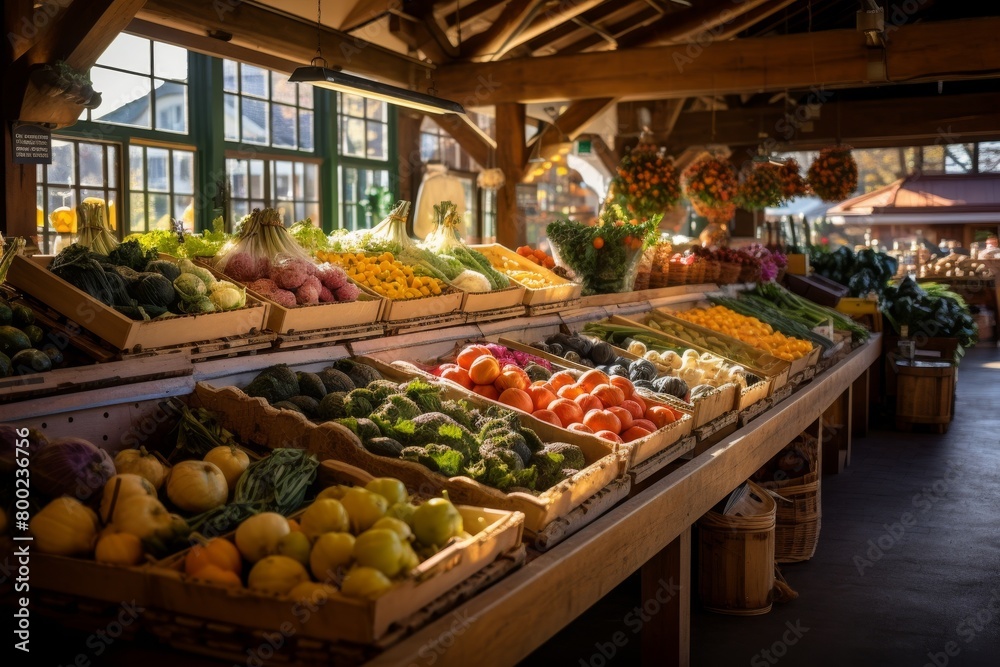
[(252, 93), (161, 186), (292, 186), (366, 165)]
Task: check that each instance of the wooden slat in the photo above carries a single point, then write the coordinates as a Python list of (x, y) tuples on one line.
[(832, 59), (547, 20), (510, 158), (685, 25), (274, 34), (621, 541), (570, 123), (366, 11)]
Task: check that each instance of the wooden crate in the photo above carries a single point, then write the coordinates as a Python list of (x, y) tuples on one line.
[(502, 299), (32, 276), (562, 290), (253, 420), (494, 532), (400, 310), (316, 317)]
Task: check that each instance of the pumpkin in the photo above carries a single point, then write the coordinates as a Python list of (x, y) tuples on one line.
[(119, 488), (260, 535), (71, 467), (145, 517), (218, 552), (142, 463), (231, 460), (65, 527), (276, 575), (197, 486), (119, 549)]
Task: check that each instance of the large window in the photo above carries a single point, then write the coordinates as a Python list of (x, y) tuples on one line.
[(262, 107), (291, 186), (364, 127), (161, 187), (79, 169), (143, 83), (436, 145)]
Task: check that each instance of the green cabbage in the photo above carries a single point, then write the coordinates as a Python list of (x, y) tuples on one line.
[(189, 286), (227, 296)]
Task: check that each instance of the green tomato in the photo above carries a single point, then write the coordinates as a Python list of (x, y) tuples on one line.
[(330, 552), (295, 545), (403, 512), (379, 548), (364, 508), (391, 489), (436, 521), (324, 516), (397, 526)]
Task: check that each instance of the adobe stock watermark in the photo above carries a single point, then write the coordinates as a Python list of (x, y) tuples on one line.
[(634, 620), (967, 630), (923, 501), (779, 649), (431, 652), (100, 640)]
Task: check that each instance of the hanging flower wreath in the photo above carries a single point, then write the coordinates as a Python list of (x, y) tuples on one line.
[(760, 188), (646, 183), (833, 175), (792, 183), (710, 181)]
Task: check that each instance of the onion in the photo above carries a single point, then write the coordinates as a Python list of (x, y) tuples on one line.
[(72, 467), (8, 445)]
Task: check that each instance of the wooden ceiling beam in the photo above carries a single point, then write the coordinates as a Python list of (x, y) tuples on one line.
[(569, 124), (607, 12), (547, 20), (468, 135), (267, 32), (930, 51), (364, 12), (876, 122), (513, 17), (685, 25), (620, 30), (470, 12)]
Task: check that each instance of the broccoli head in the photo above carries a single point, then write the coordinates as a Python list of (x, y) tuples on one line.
[(502, 469)]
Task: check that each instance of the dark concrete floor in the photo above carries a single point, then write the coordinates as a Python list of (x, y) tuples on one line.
[(877, 592)]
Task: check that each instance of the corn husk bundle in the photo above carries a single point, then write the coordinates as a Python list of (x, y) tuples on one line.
[(93, 228)]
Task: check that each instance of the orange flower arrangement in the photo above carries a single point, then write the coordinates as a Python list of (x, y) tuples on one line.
[(833, 175), (760, 188), (792, 183), (646, 183), (710, 181)]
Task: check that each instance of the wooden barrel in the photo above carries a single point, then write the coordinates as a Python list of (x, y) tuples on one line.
[(736, 558), (925, 392)]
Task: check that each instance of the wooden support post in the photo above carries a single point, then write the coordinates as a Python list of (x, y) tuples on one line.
[(411, 167), (19, 179), (511, 153), (859, 406), (666, 600), (836, 451)]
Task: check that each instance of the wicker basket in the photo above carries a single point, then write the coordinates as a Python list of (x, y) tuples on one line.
[(696, 272), (713, 269), (796, 532), (749, 273), (678, 272), (729, 272), (659, 278), (641, 281), (736, 559)]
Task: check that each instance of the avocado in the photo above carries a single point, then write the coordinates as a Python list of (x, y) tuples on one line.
[(6, 314), (34, 334), (55, 354), (13, 340), (31, 361), (23, 316), (5, 368)]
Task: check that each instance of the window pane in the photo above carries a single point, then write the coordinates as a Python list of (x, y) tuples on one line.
[(232, 119), (306, 130), (376, 141), (137, 219), (311, 188), (112, 155), (158, 211), (354, 137), (169, 61), (305, 96), (376, 109), (300, 170), (230, 82), (353, 105), (63, 163), (282, 125), (257, 178), (126, 52), (428, 147), (237, 172), (350, 186), (253, 118), (184, 172), (989, 156), (136, 168), (92, 165), (281, 89), (958, 158), (240, 209), (281, 186), (171, 106), (158, 167), (126, 97), (184, 211), (253, 80)]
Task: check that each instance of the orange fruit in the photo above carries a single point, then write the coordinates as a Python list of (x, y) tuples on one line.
[(217, 552), (484, 370), (603, 420), (517, 399), (609, 435), (609, 394), (567, 411), (548, 416), (470, 354)]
